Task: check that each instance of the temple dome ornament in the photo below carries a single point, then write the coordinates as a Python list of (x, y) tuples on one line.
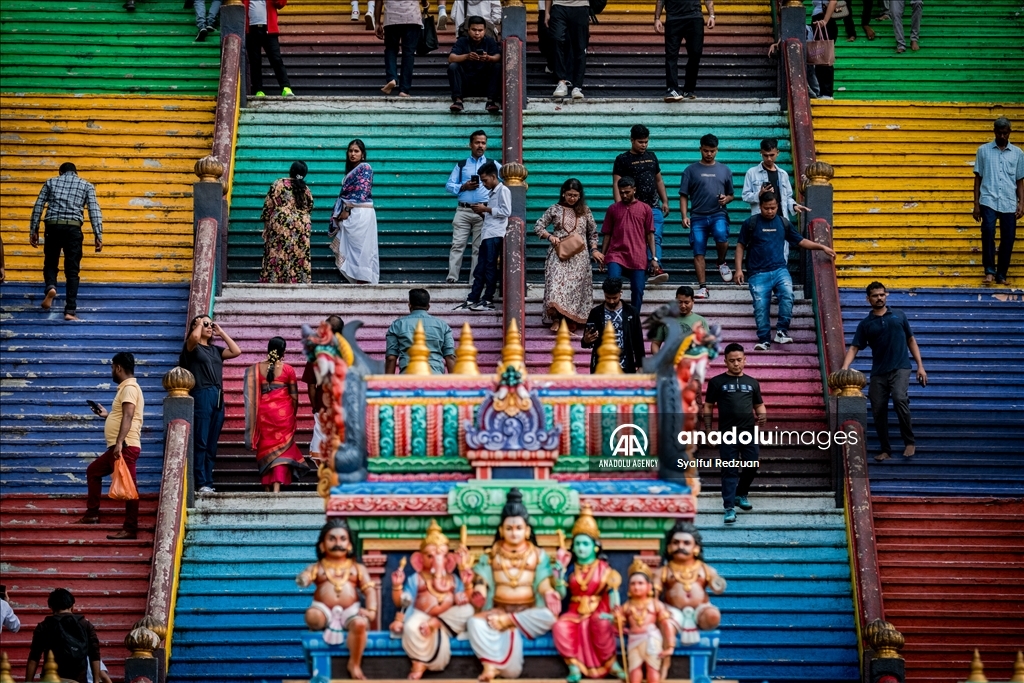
[(419, 353), (178, 382), (562, 355), (819, 173), (847, 382), (209, 169), (465, 354)]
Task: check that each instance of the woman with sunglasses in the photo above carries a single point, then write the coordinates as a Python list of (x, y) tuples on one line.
[(206, 363)]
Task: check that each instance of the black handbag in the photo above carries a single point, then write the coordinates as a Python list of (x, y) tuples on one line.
[(428, 37)]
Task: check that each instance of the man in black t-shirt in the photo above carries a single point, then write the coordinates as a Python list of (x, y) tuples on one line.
[(684, 22), (474, 67), (642, 166), (70, 637), (740, 407)]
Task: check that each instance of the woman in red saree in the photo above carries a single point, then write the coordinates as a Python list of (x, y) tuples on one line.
[(585, 634), (271, 403)]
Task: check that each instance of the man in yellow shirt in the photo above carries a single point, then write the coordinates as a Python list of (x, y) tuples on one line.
[(123, 432)]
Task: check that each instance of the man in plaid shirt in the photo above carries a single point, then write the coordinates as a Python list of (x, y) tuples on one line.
[(65, 197)]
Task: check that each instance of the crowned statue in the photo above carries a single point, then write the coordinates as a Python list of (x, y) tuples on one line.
[(683, 583), (339, 579), (585, 635), (436, 600), (513, 592), (648, 624)]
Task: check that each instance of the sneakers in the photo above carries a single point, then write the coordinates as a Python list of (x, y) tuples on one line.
[(371, 25), (656, 274), (207, 489), (701, 293), (464, 306), (782, 337), (673, 96), (482, 306), (442, 18), (689, 96), (743, 503), (763, 346), (201, 36), (456, 107), (726, 272), (355, 13), (577, 94), (561, 90), (287, 92), (260, 93), (730, 516)]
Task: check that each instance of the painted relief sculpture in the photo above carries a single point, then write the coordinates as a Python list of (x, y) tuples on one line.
[(331, 356), (513, 591), (683, 583), (339, 578), (648, 625), (436, 603), (692, 360), (586, 635)]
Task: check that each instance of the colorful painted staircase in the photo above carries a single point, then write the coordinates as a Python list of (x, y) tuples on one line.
[(96, 47), (904, 189), (787, 615), (50, 367), (952, 573), (626, 58), (970, 52), (412, 150), (44, 550), (139, 153), (968, 421)]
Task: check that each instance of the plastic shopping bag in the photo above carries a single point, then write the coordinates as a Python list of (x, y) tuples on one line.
[(121, 485)]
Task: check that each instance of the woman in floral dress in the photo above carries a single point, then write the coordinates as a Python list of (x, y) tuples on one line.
[(286, 229), (568, 285), (354, 221)]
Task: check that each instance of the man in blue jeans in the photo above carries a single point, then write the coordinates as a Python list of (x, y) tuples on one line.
[(707, 186), (740, 407), (628, 231), (764, 236)]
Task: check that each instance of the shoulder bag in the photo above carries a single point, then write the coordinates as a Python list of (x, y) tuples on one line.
[(821, 51), (572, 243)]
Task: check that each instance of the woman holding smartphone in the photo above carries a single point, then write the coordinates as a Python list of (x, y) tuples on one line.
[(205, 361)]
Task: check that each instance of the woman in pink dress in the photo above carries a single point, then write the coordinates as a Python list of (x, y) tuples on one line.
[(271, 403)]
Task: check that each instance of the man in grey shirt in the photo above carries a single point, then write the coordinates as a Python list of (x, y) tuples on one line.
[(998, 193), (439, 337)]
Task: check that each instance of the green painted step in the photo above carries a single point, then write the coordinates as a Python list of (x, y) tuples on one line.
[(95, 46), (412, 150), (970, 52), (582, 141)]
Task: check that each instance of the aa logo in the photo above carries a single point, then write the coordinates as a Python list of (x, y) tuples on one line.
[(626, 439)]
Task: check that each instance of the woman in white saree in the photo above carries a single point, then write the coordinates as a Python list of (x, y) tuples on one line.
[(354, 221)]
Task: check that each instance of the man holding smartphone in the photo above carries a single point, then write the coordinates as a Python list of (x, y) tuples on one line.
[(474, 67), (123, 433), (464, 183)]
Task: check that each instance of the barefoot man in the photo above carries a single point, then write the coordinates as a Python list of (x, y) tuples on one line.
[(683, 582), (439, 606), (338, 578)]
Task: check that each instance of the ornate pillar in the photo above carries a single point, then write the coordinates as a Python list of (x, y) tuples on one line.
[(884, 662), (179, 405), (208, 202), (514, 297)]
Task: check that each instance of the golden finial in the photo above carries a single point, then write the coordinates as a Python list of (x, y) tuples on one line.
[(819, 173), (178, 382), (586, 524), (5, 669), (434, 535), (977, 669), (847, 382), (1018, 668), (209, 169), (419, 354), (884, 639), (50, 669), (562, 355), (640, 567), (512, 353), (513, 173), (141, 641), (608, 353), (465, 354)]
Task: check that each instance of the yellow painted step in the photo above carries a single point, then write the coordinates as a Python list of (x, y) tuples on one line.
[(904, 179), (138, 151)]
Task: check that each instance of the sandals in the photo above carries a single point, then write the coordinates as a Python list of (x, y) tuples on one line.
[(456, 107)]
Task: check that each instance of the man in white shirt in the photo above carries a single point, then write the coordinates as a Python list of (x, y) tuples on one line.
[(495, 216), (464, 183), (8, 619)]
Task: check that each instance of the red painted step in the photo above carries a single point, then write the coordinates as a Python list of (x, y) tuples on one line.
[(44, 549), (952, 574)]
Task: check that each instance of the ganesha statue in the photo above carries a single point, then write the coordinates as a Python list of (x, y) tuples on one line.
[(433, 601)]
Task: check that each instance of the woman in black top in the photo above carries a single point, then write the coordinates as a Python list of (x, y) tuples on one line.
[(206, 363)]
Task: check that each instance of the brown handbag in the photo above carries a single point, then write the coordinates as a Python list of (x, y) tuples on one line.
[(821, 51), (571, 244)]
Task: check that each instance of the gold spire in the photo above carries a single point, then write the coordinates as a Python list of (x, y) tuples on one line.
[(512, 353), (562, 355), (1018, 668), (419, 354), (640, 567), (5, 669), (977, 670), (586, 524), (50, 670), (434, 535), (465, 354), (608, 353)]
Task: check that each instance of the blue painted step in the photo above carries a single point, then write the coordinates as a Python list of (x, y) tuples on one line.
[(969, 420), (787, 615), (49, 368)]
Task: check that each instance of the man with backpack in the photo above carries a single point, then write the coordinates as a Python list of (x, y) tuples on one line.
[(70, 637)]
